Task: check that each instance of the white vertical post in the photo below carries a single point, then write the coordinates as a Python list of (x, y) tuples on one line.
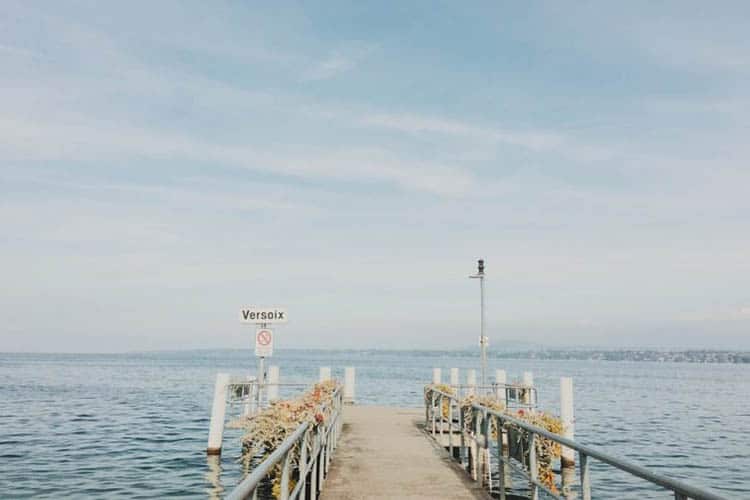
[(218, 411), (261, 381), (568, 418), (254, 391), (273, 383), (500, 381), (528, 383), (533, 471), (303, 465), (567, 458), (249, 406), (585, 477), (325, 373), (436, 375), (349, 377), (314, 474), (501, 453), (471, 381), (285, 473), (455, 382)]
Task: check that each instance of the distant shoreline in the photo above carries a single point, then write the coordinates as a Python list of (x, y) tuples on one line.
[(691, 356), (578, 354)]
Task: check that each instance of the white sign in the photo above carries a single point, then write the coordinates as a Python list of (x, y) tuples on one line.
[(260, 315), (264, 342), (484, 341)]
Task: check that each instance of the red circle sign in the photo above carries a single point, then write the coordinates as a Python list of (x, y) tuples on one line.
[(264, 337)]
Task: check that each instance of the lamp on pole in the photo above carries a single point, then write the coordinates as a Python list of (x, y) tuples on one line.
[(482, 338)]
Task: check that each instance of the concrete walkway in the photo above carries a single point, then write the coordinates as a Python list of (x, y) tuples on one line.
[(383, 454)]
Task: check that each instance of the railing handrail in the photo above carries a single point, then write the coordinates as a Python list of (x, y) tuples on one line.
[(246, 487), (493, 385), (282, 384), (251, 482), (637, 470)]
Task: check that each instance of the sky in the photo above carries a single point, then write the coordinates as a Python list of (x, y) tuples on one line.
[(163, 164)]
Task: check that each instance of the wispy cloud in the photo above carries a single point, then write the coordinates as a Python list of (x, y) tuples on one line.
[(605, 164), (338, 61), (101, 141), (417, 124), (534, 140)]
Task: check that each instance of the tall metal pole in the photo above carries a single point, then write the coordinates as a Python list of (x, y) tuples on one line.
[(482, 337)]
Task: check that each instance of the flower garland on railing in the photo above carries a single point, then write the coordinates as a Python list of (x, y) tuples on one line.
[(547, 450), (442, 388), (266, 430), (489, 401)]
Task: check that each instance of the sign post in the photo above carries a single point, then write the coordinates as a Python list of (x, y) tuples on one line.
[(263, 342), (262, 317)]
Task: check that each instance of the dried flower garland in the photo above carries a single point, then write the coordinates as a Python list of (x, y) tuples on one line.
[(266, 430), (546, 449), (447, 389)]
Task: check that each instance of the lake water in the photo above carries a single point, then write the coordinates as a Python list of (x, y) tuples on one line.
[(135, 425)]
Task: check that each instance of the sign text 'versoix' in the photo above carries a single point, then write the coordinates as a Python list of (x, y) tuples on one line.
[(254, 314)]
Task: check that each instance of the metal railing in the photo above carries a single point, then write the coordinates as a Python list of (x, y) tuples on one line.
[(516, 395), (482, 417), (316, 444), (239, 388), (244, 393)]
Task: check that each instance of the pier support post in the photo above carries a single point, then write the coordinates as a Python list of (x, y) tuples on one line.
[(218, 412), (252, 405), (252, 397), (455, 382), (349, 376), (501, 454), (567, 416), (273, 383), (500, 381), (462, 436), (475, 448), (485, 462), (261, 382), (528, 383), (533, 471), (450, 427), (325, 373), (471, 381), (436, 375), (314, 482), (302, 464)]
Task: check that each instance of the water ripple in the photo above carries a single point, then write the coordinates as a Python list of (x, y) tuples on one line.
[(135, 425)]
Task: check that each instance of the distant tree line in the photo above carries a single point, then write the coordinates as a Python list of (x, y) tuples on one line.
[(692, 356)]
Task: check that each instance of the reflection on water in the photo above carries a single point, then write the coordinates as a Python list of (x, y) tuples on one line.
[(136, 425), (213, 477)]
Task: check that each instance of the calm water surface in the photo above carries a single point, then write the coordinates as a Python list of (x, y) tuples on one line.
[(135, 425)]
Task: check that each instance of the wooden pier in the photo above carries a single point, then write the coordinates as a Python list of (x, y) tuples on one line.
[(384, 453), (372, 452)]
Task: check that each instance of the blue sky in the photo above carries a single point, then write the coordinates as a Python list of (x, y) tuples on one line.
[(164, 163)]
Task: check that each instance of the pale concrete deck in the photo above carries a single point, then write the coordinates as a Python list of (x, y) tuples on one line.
[(383, 454)]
